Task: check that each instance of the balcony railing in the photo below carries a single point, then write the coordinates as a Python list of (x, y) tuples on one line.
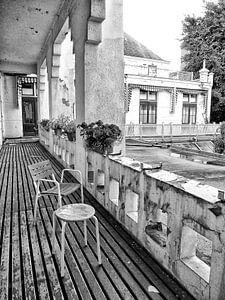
[(145, 70), (59, 146), (169, 130), (179, 221), (181, 75)]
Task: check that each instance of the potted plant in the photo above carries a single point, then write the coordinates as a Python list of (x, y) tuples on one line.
[(100, 137), (45, 124), (70, 129), (58, 123)]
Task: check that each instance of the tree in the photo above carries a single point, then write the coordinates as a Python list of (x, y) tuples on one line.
[(219, 140), (204, 38)]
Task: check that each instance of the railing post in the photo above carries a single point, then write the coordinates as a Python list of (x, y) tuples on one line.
[(141, 206), (197, 133), (107, 181), (50, 141), (163, 131), (171, 131)]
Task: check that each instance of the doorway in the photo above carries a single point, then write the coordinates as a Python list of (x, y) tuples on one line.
[(29, 116)]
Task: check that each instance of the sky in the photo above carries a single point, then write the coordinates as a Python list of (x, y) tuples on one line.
[(158, 24)]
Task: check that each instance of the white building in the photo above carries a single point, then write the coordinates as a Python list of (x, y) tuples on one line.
[(155, 94)]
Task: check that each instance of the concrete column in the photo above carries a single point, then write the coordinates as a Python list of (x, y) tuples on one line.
[(53, 88), (99, 66), (43, 102), (104, 71), (53, 79), (78, 23)]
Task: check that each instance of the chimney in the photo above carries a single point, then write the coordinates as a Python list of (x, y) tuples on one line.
[(204, 73), (211, 78)]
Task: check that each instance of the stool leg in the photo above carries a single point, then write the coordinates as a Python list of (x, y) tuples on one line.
[(35, 207), (85, 232), (53, 234), (59, 204), (63, 248), (98, 241)]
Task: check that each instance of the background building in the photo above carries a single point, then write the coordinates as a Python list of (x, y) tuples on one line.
[(157, 94)]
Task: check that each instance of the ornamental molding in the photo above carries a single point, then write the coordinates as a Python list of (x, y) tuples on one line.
[(94, 26)]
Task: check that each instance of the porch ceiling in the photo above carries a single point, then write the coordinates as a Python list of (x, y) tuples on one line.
[(24, 26)]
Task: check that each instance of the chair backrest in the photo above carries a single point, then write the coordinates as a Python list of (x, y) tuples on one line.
[(41, 170)]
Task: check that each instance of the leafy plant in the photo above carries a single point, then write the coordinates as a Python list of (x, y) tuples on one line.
[(45, 123), (70, 129), (59, 122), (100, 137), (203, 38), (219, 144), (69, 126), (219, 141)]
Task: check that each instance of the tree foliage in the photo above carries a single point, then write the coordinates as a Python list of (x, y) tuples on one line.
[(204, 38), (219, 140)]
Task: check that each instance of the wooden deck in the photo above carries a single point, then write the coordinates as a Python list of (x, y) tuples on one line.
[(28, 270)]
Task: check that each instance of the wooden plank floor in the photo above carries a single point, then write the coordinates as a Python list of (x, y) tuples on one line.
[(28, 270)]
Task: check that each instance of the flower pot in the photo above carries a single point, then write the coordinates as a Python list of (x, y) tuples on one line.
[(58, 132), (71, 136)]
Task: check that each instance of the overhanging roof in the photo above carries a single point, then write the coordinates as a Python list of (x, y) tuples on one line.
[(134, 48), (24, 26)]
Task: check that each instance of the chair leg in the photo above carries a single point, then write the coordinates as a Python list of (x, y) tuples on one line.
[(53, 233), (98, 241), (35, 208), (82, 193), (85, 232), (63, 248), (59, 204)]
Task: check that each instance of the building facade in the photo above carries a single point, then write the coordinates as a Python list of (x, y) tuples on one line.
[(155, 94)]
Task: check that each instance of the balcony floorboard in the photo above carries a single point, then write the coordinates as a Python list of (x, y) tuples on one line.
[(28, 270)]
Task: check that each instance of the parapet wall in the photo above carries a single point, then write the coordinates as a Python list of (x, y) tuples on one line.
[(179, 221)]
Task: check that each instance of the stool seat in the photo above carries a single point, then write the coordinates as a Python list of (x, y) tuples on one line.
[(72, 213), (75, 212)]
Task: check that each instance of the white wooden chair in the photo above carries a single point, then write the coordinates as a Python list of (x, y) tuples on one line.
[(66, 213)]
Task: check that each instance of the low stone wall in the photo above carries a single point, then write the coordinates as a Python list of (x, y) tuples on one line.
[(59, 146), (179, 221)]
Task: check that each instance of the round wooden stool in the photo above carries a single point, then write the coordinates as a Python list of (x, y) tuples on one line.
[(73, 213)]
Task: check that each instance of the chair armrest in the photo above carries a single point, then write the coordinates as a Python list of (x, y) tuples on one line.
[(48, 180), (71, 170)]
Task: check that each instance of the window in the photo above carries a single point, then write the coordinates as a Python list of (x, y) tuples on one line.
[(148, 107), (28, 89), (189, 109), (152, 70)]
